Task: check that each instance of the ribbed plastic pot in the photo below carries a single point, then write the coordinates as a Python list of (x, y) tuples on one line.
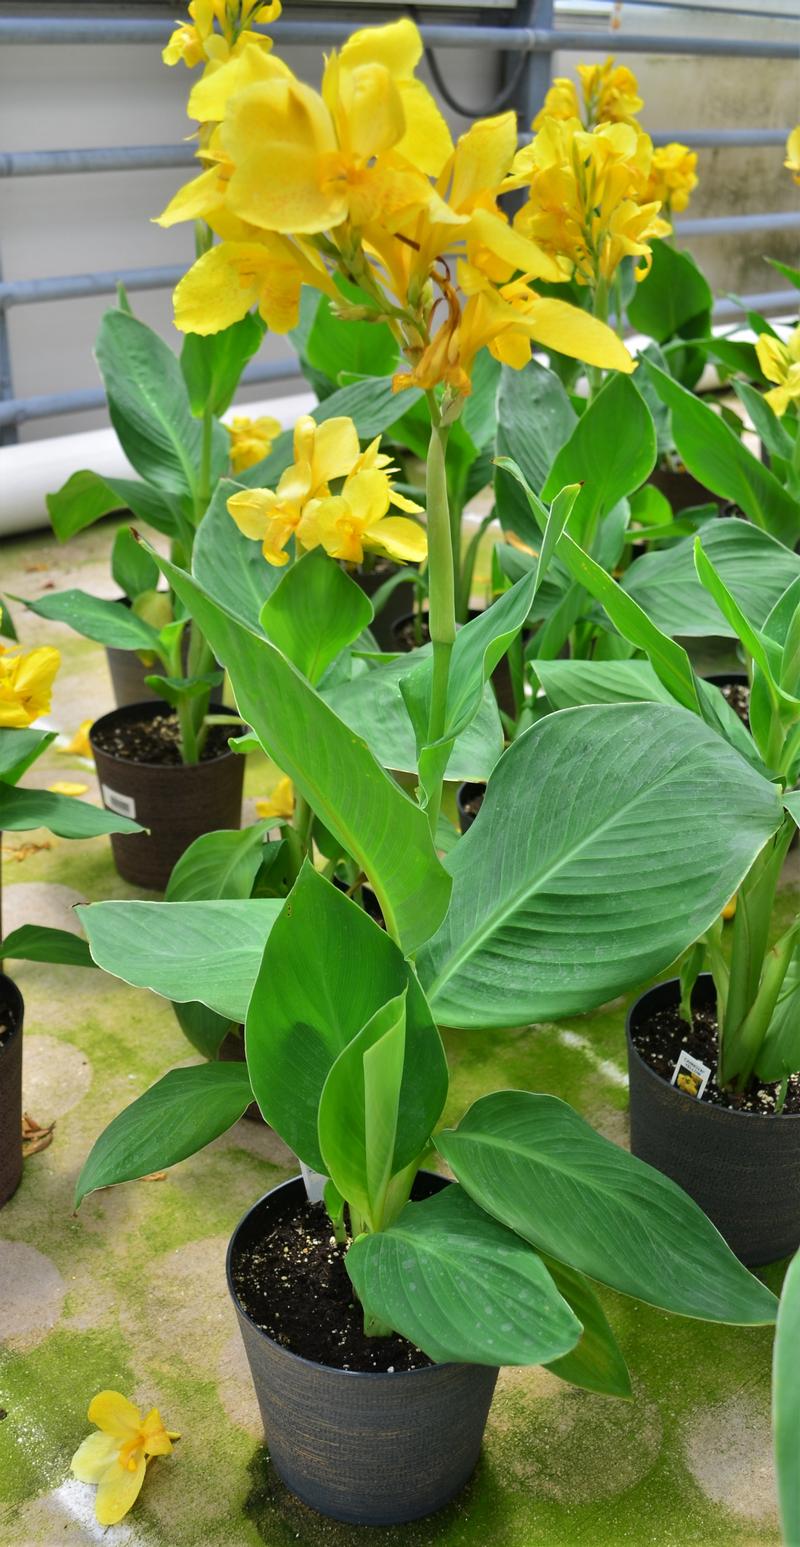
[(464, 794), (366, 1448), (11, 1015), (741, 1167), (176, 804), (127, 675)]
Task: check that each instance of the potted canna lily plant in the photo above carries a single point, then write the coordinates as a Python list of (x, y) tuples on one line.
[(375, 1359), (26, 680), (730, 1133)]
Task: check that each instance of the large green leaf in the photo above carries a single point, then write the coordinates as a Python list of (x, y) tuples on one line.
[(206, 951), (568, 684), (308, 1004), (149, 405), (341, 348), (314, 613), (40, 943), (596, 1363), (379, 825), (786, 1404), (672, 294), (534, 420), (110, 623), (537, 1166), (611, 451), (754, 566), (22, 810), (211, 364), (230, 566), (175, 1118), (131, 565), (204, 1028), (372, 705), (715, 456), (462, 1287), (19, 748), (85, 497), (219, 864), (363, 1124), (371, 404), (610, 837)]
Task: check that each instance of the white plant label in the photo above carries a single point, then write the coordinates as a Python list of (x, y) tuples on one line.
[(123, 805), (691, 1075)]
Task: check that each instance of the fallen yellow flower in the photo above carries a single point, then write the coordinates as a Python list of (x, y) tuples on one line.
[(116, 1457), (80, 745), (66, 787), (26, 684), (279, 803)]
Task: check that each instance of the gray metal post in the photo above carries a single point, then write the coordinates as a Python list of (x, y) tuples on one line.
[(9, 433)]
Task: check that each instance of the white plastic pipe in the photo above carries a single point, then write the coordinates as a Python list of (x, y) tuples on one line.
[(36, 468)]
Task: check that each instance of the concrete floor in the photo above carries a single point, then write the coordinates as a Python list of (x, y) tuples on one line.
[(131, 1294)]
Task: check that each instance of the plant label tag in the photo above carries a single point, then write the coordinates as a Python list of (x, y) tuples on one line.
[(123, 805), (691, 1075)]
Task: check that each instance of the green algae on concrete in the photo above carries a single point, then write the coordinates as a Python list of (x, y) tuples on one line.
[(131, 1293)]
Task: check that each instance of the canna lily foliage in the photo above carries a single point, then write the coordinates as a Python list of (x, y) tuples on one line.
[(115, 1457)]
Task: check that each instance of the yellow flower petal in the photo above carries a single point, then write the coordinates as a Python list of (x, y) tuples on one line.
[(286, 126), (397, 45), (505, 242), (222, 79), (336, 449), (194, 200), (280, 803), (482, 158), (93, 1456), (251, 510), (114, 1414), (574, 332), (118, 1491), (26, 684), (399, 539), (66, 787), (80, 745), (426, 141)]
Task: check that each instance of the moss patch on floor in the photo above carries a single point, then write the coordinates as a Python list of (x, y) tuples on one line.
[(131, 1294)]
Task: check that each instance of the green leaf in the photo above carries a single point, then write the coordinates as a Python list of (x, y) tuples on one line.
[(596, 1363), (479, 414), (149, 405), (22, 810), (342, 348), (131, 565), (610, 837), (371, 404), (219, 864), (7, 629), (793, 276), (85, 497), (461, 1287), (779, 1054), (176, 1117), (314, 613), (110, 623), (229, 566), (372, 705), (179, 690), (756, 569), (299, 1021), (19, 748), (671, 295), (786, 1404), (363, 1126), (212, 364), (204, 1028), (715, 456), (384, 831), (766, 423), (534, 420), (534, 1164), (755, 643), (611, 451), (40, 943), (206, 951), (568, 684)]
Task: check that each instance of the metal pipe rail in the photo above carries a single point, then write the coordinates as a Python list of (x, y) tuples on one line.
[(14, 411)]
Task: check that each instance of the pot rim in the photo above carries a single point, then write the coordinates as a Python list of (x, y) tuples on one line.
[(314, 1364), (11, 995), (149, 708), (682, 1095)]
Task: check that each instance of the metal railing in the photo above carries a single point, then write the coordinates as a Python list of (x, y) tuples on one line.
[(529, 33)]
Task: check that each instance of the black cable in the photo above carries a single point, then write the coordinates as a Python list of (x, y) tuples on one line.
[(503, 98)]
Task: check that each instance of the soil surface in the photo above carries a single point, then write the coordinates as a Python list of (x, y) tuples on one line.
[(295, 1286), (661, 1039), (737, 695), (472, 799), (157, 740)]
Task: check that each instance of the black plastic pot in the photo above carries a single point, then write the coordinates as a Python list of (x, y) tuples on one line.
[(681, 489), (11, 1016), (464, 794), (741, 1167), (396, 605), (366, 1448), (128, 674), (176, 804)]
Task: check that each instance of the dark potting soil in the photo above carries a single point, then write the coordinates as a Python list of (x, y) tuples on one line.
[(294, 1285), (738, 696), (157, 740), (473, 803), (410, 633), (661, 1039)]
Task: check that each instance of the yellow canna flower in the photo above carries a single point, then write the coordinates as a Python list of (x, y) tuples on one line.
[(780, 363), (585, 196), (672, 177), (251, 440), (228, 280), (729, 910), (26, 684), (115, 1458), (79, 746), (321, 453), (793, 154), (357, 519), (197, 40), (610, 95), (280, 802)]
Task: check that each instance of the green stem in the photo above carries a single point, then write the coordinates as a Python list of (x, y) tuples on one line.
[(748, 954), (441, 588)]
